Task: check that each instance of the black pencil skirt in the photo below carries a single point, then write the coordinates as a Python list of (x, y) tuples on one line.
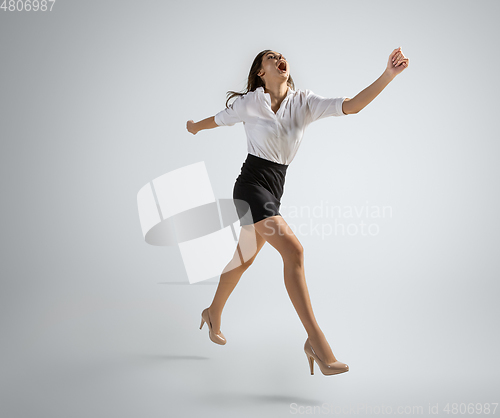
[(259, 187)]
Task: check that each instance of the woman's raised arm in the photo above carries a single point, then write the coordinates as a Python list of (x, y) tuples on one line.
[(396, 64), (195, 127)]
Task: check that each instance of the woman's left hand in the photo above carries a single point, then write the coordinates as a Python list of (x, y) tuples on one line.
[(397, 62)]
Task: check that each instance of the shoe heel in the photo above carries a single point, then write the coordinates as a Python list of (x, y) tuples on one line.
[(216, 338), (311, 363)]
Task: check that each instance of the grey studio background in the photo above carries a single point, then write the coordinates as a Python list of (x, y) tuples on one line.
[(94, 102)]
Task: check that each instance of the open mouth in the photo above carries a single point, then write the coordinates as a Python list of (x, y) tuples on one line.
[(282, 66)]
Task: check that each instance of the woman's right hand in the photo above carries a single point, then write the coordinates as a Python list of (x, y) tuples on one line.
[(191, 127)]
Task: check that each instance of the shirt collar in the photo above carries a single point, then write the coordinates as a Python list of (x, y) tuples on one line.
[(268, 96)]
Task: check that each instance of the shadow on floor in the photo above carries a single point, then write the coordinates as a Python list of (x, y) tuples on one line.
[(194, 284), (228, 399)]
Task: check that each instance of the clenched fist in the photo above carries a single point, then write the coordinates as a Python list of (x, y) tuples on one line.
[(191, 127), (397, 62)]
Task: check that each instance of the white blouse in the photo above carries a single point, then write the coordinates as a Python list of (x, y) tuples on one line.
[(277, 136)]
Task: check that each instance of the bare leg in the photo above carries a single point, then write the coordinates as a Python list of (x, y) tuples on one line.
[(249, 241), (277, 232)]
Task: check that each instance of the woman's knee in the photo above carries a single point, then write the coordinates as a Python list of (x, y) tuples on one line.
[(294, 254)]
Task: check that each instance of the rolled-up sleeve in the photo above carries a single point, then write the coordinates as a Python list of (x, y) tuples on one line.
[(232, 114), (320, 107)]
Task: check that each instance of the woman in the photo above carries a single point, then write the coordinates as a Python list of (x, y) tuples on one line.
[(275, 117)]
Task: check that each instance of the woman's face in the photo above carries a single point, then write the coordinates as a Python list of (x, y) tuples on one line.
[(274, 66)]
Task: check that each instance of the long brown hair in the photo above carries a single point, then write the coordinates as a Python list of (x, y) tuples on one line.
[(254, 81)]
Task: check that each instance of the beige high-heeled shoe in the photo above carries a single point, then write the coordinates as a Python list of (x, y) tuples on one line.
[(327, 369), (216, 338)]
